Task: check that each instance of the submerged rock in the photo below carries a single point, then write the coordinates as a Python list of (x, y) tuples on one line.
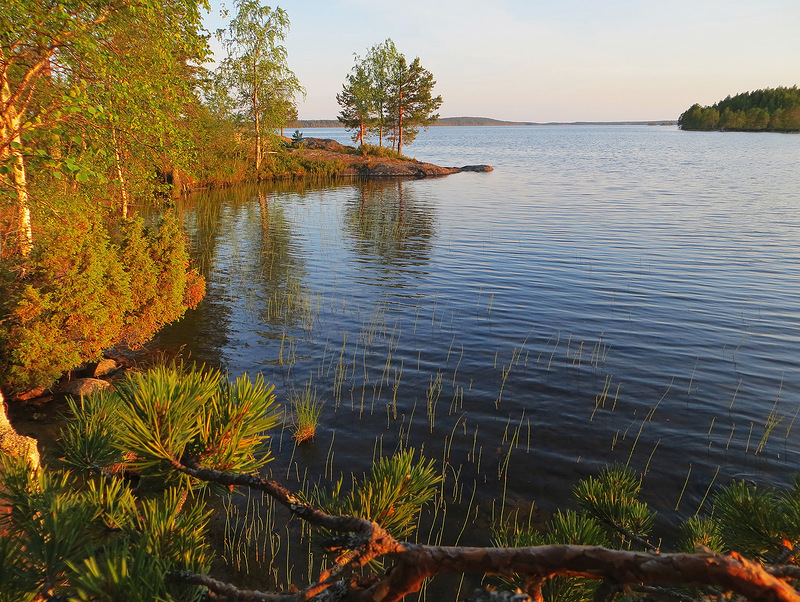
[(478, 168)]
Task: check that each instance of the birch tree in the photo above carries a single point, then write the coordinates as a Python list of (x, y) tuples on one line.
[(33, 37), (108, 73), (256, 69)]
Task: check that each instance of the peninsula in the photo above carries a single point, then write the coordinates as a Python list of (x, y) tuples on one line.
[(338, 160)]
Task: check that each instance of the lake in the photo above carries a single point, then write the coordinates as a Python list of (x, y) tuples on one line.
[(607, 294)]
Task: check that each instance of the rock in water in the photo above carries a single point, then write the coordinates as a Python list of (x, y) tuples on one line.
[(480, 168)]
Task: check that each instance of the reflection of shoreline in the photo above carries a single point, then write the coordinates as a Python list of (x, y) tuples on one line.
[(389, 227)]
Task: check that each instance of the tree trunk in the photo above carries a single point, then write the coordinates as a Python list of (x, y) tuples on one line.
[(23, 207), (10, 129), (400, 124), (123, 187), (256, 119)]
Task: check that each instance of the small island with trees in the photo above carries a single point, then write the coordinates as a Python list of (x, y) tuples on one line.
[(767, 110)]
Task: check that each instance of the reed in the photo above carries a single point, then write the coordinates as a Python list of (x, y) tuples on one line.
[(306, 411)]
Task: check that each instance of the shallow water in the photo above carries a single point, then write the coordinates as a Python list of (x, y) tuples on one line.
[(607, 294)]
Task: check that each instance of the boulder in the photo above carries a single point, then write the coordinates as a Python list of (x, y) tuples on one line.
[(405, 169), (324, 144), (478, 168), (104, 367), (84, 386), (15, 445)]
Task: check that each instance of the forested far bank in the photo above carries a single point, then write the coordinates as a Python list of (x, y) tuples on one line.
[(770, 109)]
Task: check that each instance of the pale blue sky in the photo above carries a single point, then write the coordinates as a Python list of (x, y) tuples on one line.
[(554, 60)]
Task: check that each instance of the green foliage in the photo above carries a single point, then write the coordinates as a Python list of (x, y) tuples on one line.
[(289, 165), (569, 527), (256, 71), (772, 109), (392, 495), (71, 306), (411, 102), (88, 439), (613, 498), (84, 294), (307, 411), (370, 150), (17, 584), (700, 533), (759, 522), (98, 539), (119, 575), (97, 542), (359, 100), (384, 94), (171, 414)]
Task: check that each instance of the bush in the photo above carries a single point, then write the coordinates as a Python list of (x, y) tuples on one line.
[(83, 293)]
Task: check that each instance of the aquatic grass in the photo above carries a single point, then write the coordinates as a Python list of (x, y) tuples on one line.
[(306, 413), (683, 489), (773, 420), (432, 396), (249, 541), (373, 365)]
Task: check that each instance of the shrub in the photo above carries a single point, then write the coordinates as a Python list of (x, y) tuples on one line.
[(82, 294)]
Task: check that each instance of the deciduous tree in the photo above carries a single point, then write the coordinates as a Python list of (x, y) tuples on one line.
[(256, 69)]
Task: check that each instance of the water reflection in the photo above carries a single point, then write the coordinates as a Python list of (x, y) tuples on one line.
[(284, 298), (389, 226)]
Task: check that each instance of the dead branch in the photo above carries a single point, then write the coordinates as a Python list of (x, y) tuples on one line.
[(731, 573), (413, 563)]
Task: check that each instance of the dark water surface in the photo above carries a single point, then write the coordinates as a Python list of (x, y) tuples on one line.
[(607, 294)]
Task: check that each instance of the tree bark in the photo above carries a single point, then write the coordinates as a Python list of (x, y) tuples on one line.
[(413, 563), (400, 124), (256, 117), (120, 176), (732, 573), (11, 133)]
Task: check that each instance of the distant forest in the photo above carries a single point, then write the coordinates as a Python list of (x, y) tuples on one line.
[(335, 123), (771, 109), (445, 121)]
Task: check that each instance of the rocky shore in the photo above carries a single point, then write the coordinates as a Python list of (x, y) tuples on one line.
[(358, 165)]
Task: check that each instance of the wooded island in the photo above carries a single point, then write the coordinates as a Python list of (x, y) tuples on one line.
[(767, 110)]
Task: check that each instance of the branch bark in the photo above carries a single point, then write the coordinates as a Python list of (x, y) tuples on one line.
[(413, 563), (731, 573)]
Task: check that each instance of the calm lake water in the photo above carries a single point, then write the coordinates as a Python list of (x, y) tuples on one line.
[(607, 294)]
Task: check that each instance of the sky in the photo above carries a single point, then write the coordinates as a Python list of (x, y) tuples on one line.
[(549, 60)]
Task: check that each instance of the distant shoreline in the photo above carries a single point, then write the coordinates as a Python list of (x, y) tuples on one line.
[(482, 121)]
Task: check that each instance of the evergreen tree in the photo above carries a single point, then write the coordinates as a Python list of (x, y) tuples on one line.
[(411, 103), (385, 93), (770, 109)]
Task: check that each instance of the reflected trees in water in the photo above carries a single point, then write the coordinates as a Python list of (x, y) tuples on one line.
[(389, 226)]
